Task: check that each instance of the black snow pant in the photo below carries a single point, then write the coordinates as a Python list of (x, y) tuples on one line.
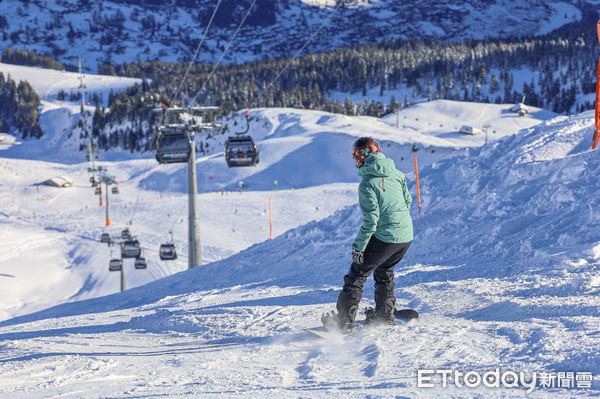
[(380, 258)]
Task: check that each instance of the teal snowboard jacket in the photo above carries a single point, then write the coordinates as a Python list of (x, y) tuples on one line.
[(385, 203)]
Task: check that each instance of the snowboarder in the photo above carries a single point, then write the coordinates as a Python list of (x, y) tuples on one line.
[(383, 239)]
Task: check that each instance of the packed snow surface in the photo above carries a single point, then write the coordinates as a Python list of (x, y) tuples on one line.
[(48, 83), (504, 268)]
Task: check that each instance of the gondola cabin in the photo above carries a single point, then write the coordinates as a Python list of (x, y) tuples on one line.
[(115, 190), (173, 145), (125, 234), (131, 249), (240, 151), (98, 191), (105, 238), (140, 263), (115, 265), (167, 252)]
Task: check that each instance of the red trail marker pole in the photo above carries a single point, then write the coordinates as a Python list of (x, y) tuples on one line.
[(418, 190)]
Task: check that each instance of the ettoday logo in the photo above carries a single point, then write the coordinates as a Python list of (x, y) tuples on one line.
[(497, 378)]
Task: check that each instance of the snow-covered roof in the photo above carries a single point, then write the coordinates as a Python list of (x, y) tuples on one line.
[(59, 181), (469, 130), (518, 108)]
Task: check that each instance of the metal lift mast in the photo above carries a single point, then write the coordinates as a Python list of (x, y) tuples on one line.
[(185, 133)]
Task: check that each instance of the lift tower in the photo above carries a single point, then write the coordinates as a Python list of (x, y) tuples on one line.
[(175, 143)]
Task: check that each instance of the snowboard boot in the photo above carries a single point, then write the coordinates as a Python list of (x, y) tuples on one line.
[(373, 318), (385, 309)]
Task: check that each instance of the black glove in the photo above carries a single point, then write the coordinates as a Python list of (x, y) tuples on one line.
[(358, 257)]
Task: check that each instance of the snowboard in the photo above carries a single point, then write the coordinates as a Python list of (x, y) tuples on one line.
[(403, 316)]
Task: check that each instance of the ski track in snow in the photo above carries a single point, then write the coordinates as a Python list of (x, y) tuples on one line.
[(503, 270)]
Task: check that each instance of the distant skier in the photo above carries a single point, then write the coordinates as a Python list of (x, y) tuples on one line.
[(383, 239)]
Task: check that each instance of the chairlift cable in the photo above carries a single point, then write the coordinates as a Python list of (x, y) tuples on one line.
[(183, 80), (196, 52), (224, 52), (181, 209), (137, 201), (306, 44), (212, 71)]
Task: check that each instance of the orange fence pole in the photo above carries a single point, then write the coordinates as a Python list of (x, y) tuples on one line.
[(270, 218), (418, 190)]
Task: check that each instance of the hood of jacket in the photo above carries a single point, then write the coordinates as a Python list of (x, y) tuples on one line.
[(377, 165)]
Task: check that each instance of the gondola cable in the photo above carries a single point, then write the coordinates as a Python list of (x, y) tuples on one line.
[(223, 54), (196, 52), (242, 22), (305, 44), (179, 89)]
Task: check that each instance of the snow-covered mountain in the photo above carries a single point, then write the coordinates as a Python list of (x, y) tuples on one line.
[(130, 30), (503, 269)]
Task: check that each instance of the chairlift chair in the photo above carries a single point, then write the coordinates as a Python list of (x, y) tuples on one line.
[(140, 263), (125, 234), (173, 145), (131, 249), (105, 238), (92, 180), (90, 170), (115, 190), (167, 251), (98, 191), (115, 265)]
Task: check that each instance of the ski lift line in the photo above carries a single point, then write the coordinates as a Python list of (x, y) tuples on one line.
[(183, 208), (137, 201), (196, 52), (224, 52), (285, 67), (177, 218)]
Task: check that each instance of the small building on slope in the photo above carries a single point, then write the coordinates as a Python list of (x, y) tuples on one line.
[(59, 181)]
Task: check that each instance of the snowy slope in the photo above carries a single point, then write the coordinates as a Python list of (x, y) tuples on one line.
[(443, 119), (307, 150), (504, 270), (298, 149), (293, 142), (55, 232), (48, 82), (58, 119), (122, 31)]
